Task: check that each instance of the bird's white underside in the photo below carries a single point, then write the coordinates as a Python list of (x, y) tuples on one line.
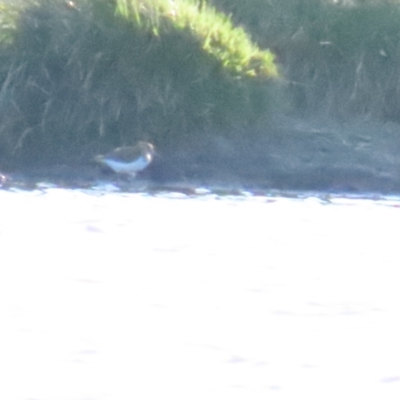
[(127, 168)]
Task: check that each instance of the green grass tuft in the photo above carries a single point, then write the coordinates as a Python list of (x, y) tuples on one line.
[(8, 23), (214, 30)]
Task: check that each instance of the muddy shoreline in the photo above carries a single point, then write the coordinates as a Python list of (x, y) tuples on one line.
[(294, 155)]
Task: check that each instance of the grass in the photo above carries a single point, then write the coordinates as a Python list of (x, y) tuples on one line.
[(108, 72), (8, 17), (217, 35), (90, 73), (339, 58)]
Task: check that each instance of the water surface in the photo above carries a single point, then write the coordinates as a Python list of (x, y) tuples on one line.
[(121, 295)]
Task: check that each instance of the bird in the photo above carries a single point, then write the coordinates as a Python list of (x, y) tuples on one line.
[(128, 159)]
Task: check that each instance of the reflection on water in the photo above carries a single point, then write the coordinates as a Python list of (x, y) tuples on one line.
[(122, 296)]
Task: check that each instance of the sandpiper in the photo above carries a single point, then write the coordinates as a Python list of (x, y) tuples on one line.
[(129, 159)]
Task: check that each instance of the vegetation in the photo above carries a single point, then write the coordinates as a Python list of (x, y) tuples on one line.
[(340, 58), (215, 31), (90, 73), (76, 75)]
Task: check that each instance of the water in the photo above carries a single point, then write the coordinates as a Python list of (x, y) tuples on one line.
[(121, 296)]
